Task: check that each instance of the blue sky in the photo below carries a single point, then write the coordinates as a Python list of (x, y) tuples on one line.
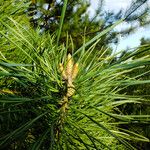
[(131, 41)]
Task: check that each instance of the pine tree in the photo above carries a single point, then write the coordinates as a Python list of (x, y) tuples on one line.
[(53, 100), (79, 23)]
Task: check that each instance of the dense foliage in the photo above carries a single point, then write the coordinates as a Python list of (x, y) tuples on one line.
[(50, 99)]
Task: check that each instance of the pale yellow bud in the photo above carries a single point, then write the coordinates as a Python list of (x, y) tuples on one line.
[(61, 68), (75, 70), (70, 90), (69, 66), (69, 74)]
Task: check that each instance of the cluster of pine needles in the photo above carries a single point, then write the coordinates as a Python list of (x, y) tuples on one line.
[(51, 99)]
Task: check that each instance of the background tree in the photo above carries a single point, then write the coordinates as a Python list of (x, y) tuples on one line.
[(79, 23)]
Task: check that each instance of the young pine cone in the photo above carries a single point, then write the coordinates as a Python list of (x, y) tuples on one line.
[(69, 74)]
